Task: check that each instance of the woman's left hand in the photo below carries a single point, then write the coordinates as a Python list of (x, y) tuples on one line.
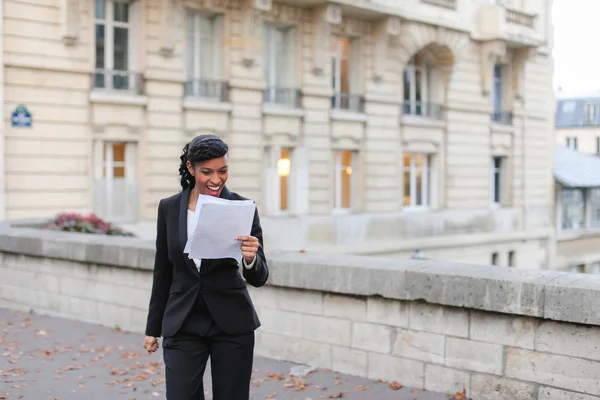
[(250, 246)]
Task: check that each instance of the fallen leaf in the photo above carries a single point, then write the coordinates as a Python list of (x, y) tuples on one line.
[(460, 395), (383, 380), (334, 396), (396, 385), (361, 388)]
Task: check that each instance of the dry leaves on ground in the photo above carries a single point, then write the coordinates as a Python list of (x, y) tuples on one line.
[(395, 385), (459, 395)]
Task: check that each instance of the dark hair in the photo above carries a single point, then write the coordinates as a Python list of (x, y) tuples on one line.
[(201, 148)]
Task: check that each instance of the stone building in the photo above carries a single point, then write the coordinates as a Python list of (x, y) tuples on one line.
[(377, 127), (578, 122)]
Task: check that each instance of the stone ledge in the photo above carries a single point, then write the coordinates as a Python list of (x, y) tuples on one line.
[(539, 293)]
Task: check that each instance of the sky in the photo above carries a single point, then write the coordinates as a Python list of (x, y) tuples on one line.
[(576, 57)]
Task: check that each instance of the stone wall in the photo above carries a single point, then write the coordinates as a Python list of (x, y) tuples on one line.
[(501, 333)]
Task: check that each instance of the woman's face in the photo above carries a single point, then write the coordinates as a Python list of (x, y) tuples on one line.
[(210, 175)]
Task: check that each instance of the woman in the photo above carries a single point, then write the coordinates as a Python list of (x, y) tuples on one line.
[(201, 308)]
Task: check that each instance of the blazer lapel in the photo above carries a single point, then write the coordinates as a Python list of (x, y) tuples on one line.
[(183, 232)]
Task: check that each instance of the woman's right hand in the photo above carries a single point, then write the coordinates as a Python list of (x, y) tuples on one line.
[(151, 344)]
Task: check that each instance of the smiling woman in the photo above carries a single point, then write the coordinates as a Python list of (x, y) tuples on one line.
[(201, 308)]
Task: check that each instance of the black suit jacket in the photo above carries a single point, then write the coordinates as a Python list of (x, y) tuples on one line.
[(177, 282)]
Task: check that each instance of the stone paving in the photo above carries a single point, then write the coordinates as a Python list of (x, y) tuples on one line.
[(46, 358)]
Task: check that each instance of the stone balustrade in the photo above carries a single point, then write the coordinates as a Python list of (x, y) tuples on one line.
[(501, 333)]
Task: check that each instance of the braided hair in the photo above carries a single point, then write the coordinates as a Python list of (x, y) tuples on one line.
[(201, 148)]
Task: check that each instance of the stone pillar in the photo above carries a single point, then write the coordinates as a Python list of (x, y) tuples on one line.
[(2, 150)]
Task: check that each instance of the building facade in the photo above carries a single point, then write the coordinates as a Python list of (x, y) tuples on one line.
[(578, 122), (577, 211), (375, 127)]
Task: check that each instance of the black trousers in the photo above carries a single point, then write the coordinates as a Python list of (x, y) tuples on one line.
[(231, 357)]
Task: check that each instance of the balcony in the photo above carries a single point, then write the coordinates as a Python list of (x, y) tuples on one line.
[(449, 4), (516, 28), (348, 102), (502, 117), (426, 110), (285, 97), (118, 81), (207, 89)]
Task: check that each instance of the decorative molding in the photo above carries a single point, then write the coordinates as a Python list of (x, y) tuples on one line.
[(384, 29), (253, 12), (346, 142), (354, 27), (168, 31), (491, 52), (520, 57), (69, 21), (281, 138), (323, 19), (287, 14)]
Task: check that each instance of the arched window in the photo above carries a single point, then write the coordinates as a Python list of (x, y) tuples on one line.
[(418, 86)]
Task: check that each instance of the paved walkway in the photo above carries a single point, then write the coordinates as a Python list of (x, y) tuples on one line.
[(43, 358)]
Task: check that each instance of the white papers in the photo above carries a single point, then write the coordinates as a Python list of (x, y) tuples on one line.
[(216, 224)]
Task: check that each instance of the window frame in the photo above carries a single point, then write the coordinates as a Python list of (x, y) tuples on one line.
[(426, 184), (414, 66), (338, 184), (497, 171), (590, 114), (572, 142), (563, 210), (271, 56), (109, 25), (499, 88), (354, 66)]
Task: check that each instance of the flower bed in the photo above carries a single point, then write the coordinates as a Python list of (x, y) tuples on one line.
[(91, 223)]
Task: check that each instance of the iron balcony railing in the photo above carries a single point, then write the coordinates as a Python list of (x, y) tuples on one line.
[(520, 18), (128, 81), (423, 109), (502, 117), (284, 96), (450, 4), (207, 88), (347, 101)]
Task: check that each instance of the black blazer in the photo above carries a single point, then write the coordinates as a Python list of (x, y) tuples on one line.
[(177, 283)]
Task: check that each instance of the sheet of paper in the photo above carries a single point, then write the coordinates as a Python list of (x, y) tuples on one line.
[(216, 224)]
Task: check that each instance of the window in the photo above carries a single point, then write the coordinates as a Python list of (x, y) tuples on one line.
[(494, 258), (511, 258), (572, 143), (283, 170), (416, 180), (573, 209), (595, 268), (597, 144), (497, 180), (576, 268), (417, 83), (278, 44), (591, 112), (204, 56), (345, 64), (344, 172), (114, 55), (499, 114), (594, 197)]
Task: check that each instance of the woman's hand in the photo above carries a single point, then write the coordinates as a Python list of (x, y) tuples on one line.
[(250, 246), (151, 344)]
